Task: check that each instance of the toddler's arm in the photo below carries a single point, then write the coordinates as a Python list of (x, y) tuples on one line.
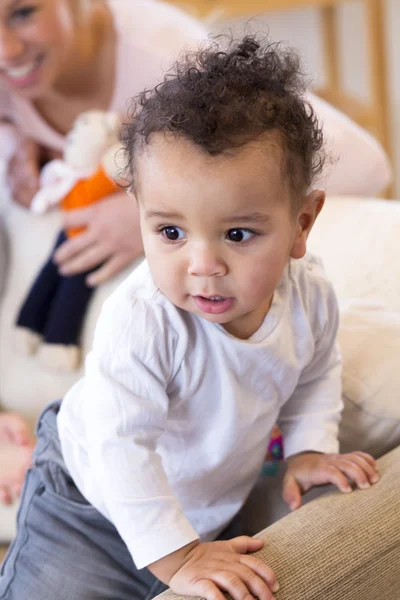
[(309, 420), (125, 408)]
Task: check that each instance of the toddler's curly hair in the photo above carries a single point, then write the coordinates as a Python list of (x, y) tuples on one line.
[(221, 98)]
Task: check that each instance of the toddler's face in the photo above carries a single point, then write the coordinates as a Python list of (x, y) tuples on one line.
[(218, 231)]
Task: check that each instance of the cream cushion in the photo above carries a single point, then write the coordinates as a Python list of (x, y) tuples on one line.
[(358, 240), (370, 342), (359, 243)]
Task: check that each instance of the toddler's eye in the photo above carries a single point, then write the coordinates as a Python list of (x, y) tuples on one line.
[(172, 233), (239, 235)]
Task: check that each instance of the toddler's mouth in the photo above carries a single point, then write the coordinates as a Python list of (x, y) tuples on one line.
[(214, 305), (214, 298)]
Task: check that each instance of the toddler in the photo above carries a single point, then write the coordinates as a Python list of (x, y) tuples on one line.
[(226, 328)]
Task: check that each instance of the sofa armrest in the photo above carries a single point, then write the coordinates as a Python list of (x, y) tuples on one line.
[(339, 547)]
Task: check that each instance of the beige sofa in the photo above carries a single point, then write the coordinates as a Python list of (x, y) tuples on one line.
[(336, 547), (339, 547)]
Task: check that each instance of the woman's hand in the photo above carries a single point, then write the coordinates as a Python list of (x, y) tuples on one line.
[(23, 171), (312, 469), (112, 239)]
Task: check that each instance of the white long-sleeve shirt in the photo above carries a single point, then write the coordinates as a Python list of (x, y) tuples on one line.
[(166, 433)]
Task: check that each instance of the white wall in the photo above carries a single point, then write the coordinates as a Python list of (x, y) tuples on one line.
[(301, 29)]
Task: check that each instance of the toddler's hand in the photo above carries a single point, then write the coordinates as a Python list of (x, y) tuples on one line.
[(312, 469), (211, 567)]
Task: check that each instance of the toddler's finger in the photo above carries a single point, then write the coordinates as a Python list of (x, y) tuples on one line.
[(291, 492), (372, 470), (365, 465), (370, 459), (255, 584), (265, 572), (333, 474), (239, 589), (354, 473), (244, 544), (204, 588)]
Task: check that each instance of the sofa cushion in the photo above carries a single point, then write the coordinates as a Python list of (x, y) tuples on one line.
[(369, 337), (359, 243)]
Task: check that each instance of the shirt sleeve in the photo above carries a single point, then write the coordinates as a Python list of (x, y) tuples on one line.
[(126, 410), (360, 166), (309, 421)]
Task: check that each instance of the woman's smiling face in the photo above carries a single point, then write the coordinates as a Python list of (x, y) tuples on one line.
[(36, 38)]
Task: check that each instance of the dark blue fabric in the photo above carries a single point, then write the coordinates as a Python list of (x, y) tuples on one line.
[(56, 306)]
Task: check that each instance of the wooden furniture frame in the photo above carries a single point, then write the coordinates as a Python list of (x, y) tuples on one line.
[(372, 115)]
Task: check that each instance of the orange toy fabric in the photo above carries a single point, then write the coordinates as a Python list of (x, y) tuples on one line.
[(88, 191)]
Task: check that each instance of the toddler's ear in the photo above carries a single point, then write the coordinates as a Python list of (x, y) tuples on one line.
[(310, 210)]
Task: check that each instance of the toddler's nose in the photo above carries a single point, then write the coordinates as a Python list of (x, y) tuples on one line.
[(206, 263)]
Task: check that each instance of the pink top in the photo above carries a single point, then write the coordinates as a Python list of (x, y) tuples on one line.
[(150, 34)]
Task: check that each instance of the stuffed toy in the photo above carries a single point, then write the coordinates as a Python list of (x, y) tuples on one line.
[(51, 317)]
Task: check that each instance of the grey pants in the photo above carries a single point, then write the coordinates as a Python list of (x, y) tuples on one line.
[(64, 547)]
